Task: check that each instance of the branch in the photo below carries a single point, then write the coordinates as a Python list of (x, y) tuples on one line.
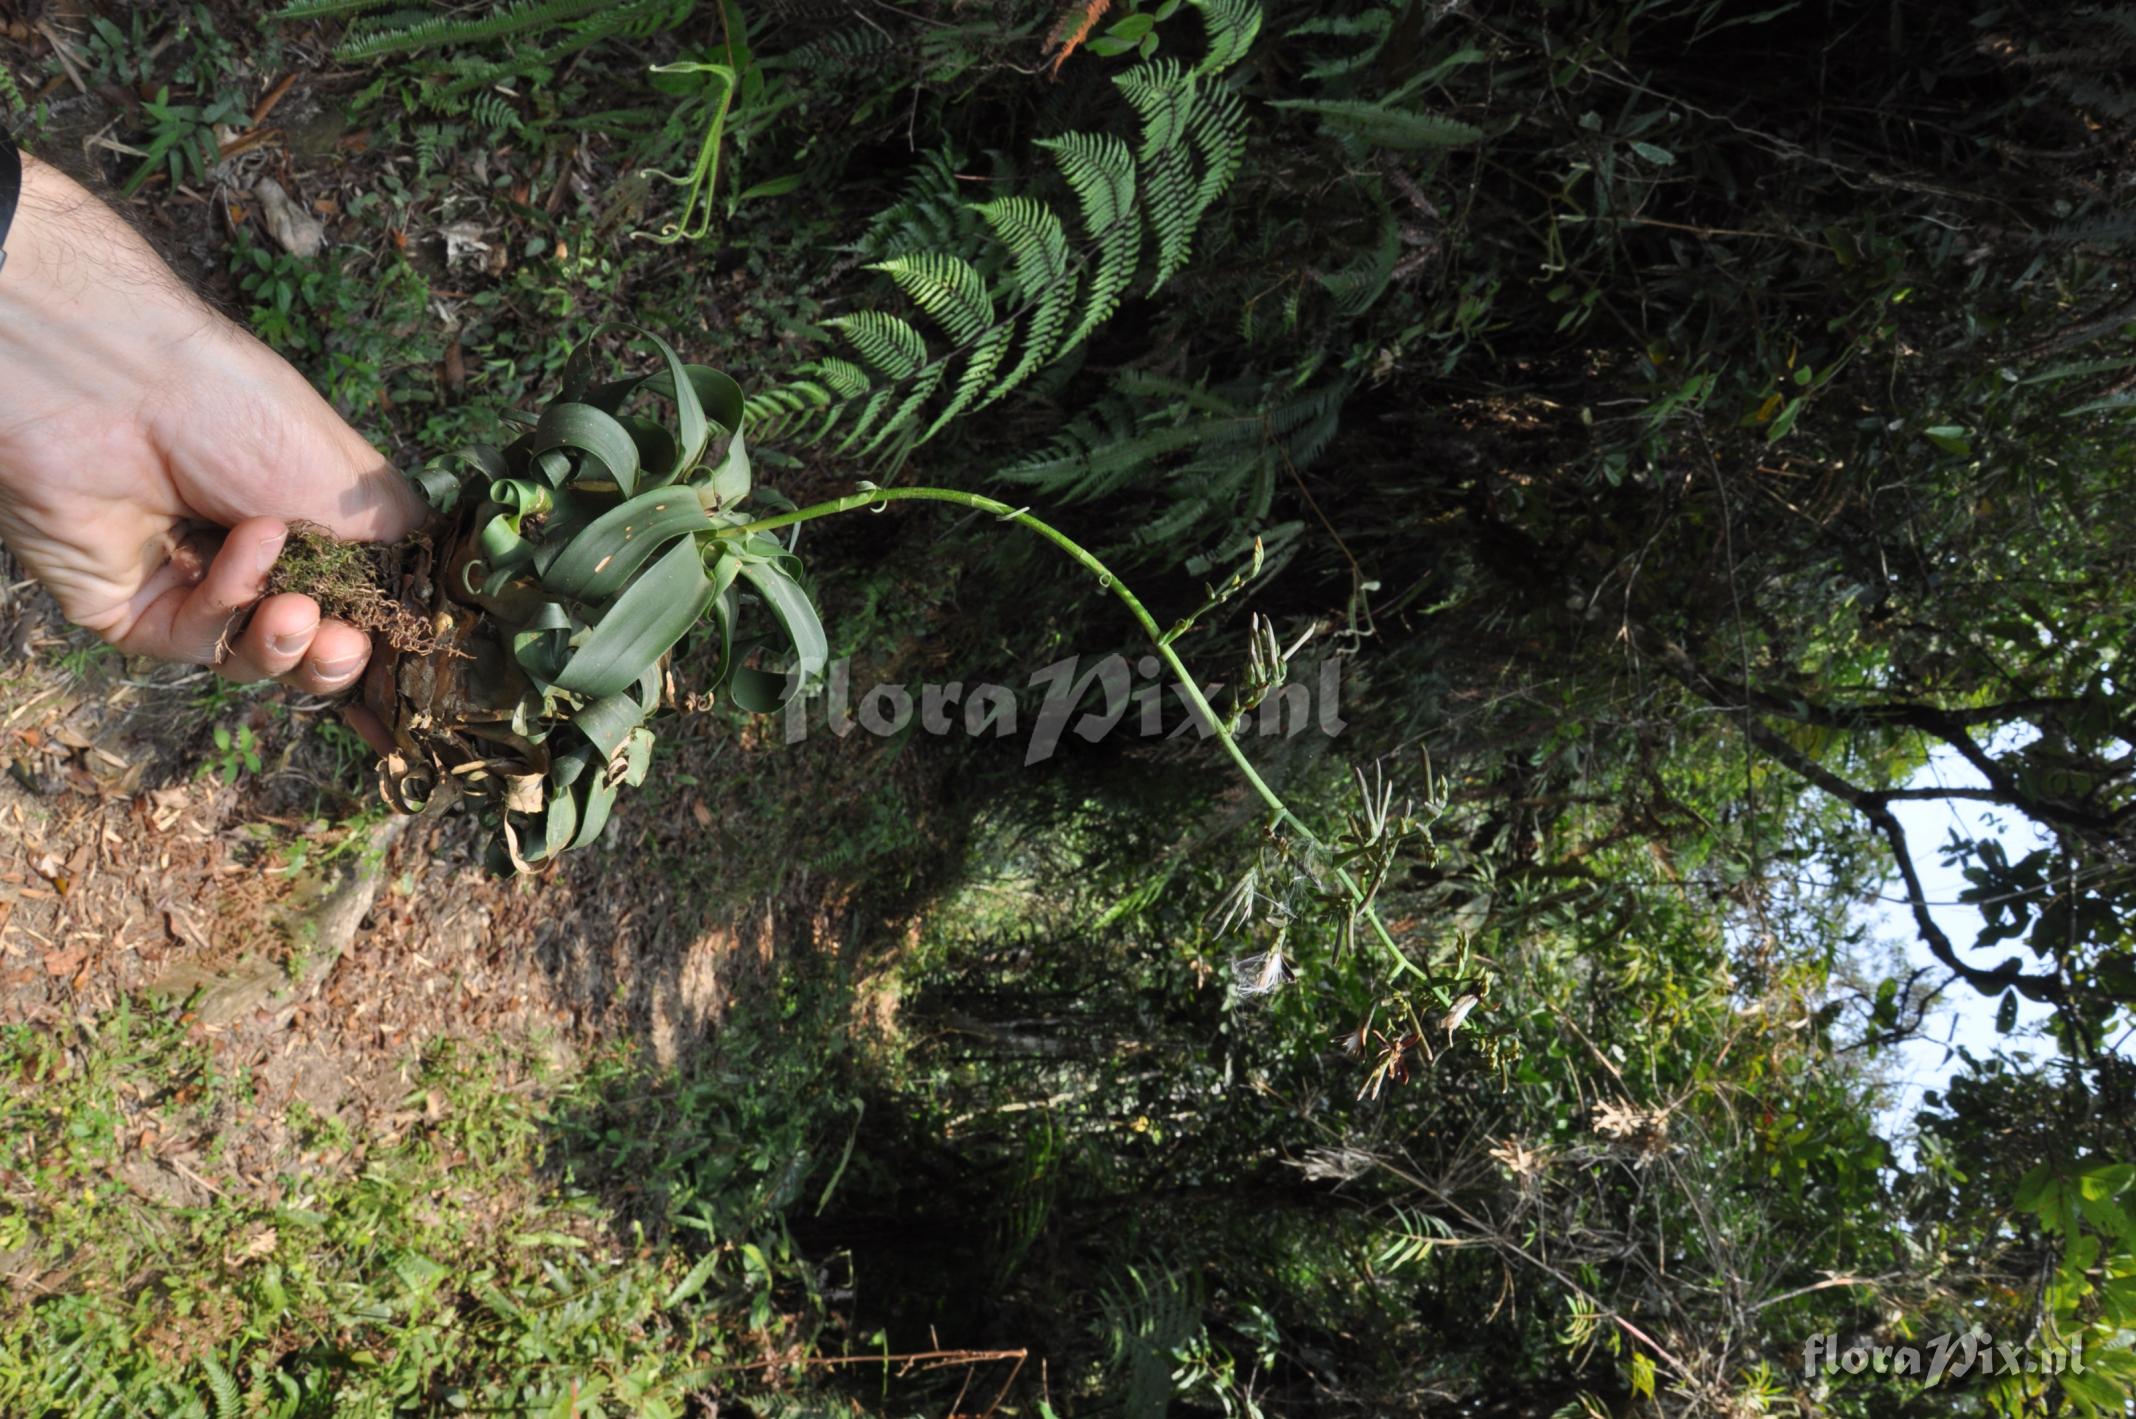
[(1873, 805)]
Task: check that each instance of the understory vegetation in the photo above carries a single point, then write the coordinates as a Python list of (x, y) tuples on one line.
[(1608, 462)]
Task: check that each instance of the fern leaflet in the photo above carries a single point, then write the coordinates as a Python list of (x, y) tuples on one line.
[(324, 9), (1101, 172), (947, 288), (885, 341), (1233, 26), (1163, 93), (1034, 237)]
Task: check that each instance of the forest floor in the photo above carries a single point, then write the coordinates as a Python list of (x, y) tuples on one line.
[(143, 856), (255, 1031), (165, 835)]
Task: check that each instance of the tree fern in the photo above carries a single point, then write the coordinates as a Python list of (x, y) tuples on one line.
[(1016, 297)]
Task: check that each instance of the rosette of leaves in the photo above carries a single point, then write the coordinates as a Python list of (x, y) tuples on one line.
[(560, 573)]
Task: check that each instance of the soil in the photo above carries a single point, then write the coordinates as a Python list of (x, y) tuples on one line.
[(128, 873)]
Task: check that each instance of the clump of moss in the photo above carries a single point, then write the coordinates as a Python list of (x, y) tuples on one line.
[(352, 582)]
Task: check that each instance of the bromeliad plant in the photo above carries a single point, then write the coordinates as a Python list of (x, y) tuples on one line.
[(526, 637), (560, 573)]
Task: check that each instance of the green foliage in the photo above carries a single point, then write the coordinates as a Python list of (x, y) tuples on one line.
[(524, 44), (1192, 140), (181, 142), (586, 20), (347, 1290), (1227, 460), (1673, 449), (326, 9), (237, 752), (1149, 1319), (588, 548), (338, 312)]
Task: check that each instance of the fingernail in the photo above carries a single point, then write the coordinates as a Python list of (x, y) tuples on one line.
[(293, 642), (269, 550), (340, 668)]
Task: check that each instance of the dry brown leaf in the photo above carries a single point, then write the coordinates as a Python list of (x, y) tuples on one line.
[(295, 230)]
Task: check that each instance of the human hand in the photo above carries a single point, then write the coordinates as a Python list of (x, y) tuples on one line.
[(151, 453)]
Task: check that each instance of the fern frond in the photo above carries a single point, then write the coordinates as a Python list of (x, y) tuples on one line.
[(901, 425), (846, 379), (1381, 126), (885, 341), (985, 358), (535, 68), (1362, 281), (1233, 26), (377, 40), (929, 215), (1373, 25), (229, 1404), (947, 288), (1039, 246), (324, 9), (1191, 145), (776, 413), (842, 49), (1073, 27), (1162, 93), (1145, 1321), (2108, 229), (1090, 462), (1101, 172), (1169, 202), (495, 112), (1218, 126)]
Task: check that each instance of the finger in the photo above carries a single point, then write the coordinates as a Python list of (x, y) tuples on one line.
[(274, 640), (171, 567), (332, 662), (191, 613)]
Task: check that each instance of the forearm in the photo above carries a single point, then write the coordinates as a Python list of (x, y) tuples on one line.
[(87, 308)]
